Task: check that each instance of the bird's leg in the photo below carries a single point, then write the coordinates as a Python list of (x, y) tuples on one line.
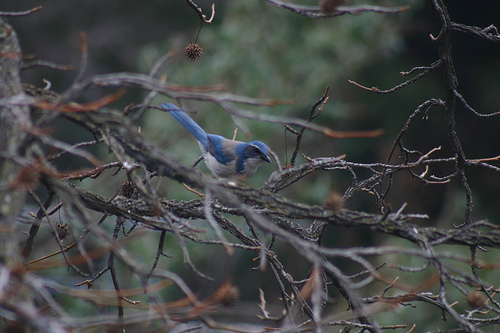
[(194, 191), (198, 160)]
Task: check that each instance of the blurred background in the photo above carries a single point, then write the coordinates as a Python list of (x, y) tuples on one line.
[(255, 49)]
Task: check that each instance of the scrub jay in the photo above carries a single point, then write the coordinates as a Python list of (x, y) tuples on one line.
[(225, 158)]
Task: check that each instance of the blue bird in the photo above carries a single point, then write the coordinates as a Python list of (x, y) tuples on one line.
[(225, 158)]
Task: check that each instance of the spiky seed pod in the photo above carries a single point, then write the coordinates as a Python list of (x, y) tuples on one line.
[(330, 6), (127, 189), (62, 230), (231, 296), (333, 201), (477, 299), (193, 51)]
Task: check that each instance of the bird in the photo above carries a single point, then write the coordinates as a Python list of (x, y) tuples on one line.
[(224, 157)]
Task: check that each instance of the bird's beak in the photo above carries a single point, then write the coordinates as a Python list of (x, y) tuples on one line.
[(266, 158)]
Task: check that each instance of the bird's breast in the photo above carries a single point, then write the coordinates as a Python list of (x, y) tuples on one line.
[(225, 170)]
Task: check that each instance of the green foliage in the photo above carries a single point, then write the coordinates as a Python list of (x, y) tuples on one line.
[(261, 51)]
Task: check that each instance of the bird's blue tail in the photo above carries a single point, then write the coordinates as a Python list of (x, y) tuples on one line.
[(187, 122)]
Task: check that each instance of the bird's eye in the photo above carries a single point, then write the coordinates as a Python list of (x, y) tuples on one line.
[(256, 150)]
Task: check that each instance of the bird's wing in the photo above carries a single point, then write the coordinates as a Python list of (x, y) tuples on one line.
[(222, 149)]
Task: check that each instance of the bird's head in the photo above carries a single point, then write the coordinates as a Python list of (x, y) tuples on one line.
[(251, 157), (257, 150)]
